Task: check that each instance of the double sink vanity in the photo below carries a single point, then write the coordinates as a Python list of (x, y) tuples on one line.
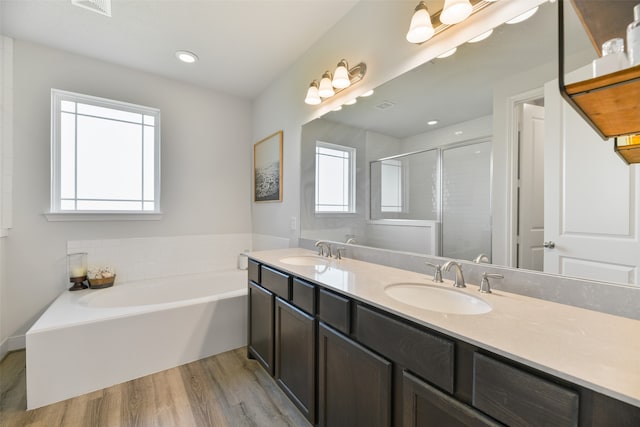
[(354, 343)]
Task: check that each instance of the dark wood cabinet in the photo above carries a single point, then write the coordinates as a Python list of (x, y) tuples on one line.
[(518, 398), (343, 362), (295, 356), (261, 330), (354, 384), (426, 406)]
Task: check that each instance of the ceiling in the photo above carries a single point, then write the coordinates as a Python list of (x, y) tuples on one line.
[(242, 45)]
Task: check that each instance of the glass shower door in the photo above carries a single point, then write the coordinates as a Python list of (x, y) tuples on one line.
[(466, 201)]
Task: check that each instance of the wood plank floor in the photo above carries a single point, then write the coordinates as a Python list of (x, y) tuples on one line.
[(222, 390)]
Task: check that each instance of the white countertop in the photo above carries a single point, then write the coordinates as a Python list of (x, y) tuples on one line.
[(596, 350)]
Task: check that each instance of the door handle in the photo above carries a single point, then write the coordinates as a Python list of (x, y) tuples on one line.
[(549, 245)]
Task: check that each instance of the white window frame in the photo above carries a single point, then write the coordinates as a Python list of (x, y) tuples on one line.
[(56, 213), (351, 209)]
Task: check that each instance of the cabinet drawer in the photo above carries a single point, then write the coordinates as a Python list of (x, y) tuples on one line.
[(303, 295), (518, 398), (424, 354), (425, 406), (275, 281), (335, 310), (254, 271)]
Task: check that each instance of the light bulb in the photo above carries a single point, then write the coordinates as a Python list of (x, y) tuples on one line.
[(312, 97), (341, 76), (523, 17), (447, 53), (421, 28), (481, 37), (455, 11), (326, 89)]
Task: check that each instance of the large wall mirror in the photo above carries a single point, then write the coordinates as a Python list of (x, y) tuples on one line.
[(423, 167)]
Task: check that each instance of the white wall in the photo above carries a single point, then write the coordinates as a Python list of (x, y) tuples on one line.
[(372, 32), (205, 159)]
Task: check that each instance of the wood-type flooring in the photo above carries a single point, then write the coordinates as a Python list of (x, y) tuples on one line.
[(222, 390)]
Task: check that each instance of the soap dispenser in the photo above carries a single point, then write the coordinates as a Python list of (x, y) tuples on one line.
[(633, 37)]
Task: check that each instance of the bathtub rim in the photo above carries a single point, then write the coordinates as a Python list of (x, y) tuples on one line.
[(67, 311)]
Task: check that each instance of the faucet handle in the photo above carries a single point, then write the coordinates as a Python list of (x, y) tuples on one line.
[(339, 251), (437, 274), (485, 287)]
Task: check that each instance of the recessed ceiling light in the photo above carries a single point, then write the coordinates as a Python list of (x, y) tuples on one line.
[(447, 53), (481, 37), (523, 17), (367, 93), (458, 132), (432, 122), (186, 56)]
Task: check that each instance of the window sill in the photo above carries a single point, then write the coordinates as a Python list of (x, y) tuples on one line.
[(103, 216)]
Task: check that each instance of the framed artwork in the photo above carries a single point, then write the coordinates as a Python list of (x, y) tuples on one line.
[(267, 169)]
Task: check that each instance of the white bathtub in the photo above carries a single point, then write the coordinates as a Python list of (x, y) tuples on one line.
[(92, 339)]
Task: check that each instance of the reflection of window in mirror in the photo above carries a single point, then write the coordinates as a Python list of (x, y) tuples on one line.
[(391, 187), (335, 178)]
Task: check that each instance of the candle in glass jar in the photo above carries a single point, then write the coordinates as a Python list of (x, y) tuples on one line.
[(78, 271)]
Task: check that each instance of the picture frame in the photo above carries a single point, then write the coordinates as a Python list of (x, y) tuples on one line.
[(267, 169)]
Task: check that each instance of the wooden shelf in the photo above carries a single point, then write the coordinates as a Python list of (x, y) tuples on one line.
[(610, 103), (629, 153)]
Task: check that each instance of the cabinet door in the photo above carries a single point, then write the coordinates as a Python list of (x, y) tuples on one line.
[(296, 356), (354, 384), (426, 406), (260, 334)]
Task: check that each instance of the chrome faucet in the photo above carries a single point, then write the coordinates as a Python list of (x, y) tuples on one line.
[(459, 280), (485, 287), (351, 240), (437, 274), (481, 258), (322, 246)]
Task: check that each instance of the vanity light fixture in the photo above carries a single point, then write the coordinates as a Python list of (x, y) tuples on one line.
[(481, 37), (523, 17), (186, 56), (455, 11), (421, 28), (330, 84)]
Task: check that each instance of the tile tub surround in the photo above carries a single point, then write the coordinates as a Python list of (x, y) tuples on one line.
[(152, 257), (616, 299), (596, 350)]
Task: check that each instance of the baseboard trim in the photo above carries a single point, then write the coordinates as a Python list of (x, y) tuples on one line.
[(12, 344)]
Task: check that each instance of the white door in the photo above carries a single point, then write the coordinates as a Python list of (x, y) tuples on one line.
[(531, 189), (591, 199)]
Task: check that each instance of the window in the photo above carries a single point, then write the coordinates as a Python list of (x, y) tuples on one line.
[(105, 155), (335, 178), (391, 188)]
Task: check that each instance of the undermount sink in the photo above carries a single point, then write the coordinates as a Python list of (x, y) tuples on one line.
[(437, 298), (305, 260)]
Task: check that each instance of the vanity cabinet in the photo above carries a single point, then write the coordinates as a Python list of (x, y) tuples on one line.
[(354, 384), (343, 362), (295, 356), (261, 332), (281, 336)]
